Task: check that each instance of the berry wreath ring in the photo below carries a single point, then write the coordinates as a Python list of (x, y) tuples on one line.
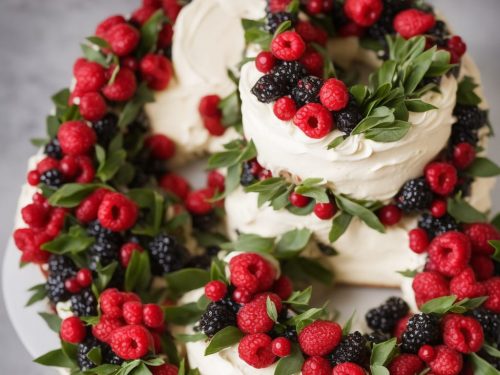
[(140, 277)]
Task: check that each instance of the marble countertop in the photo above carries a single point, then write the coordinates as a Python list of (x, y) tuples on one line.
[(38, 44)]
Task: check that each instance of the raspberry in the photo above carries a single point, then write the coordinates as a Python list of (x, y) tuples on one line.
[(87, 209), (457, 46), (483, 266), (493, 291), (412, 22), (126, 252), (172, 9), (334, 95), (419, 240), (90, 77), (406, 364), (319, 6), (285, 108), (141, 15), (298, 200), (316, 366), (214, 126), (76, 138), (132, 312), (198, 201), (73, 330), (251, 272), (276, 6), (160, 146), (442, 177), (175, 184), (153, 315), (33, 178), (216, 180), (283, 287), (46, 164), (450, 253), (131, 342), (215, 290), (34, 215), (324, 211), (123, 88), (400, 327), (165, 36), (281, 347), (156, 70), (348, 368), (123, 39), (256, 350), (426, 353), (253, 317), (429, 285), (463, 155), (313, 62), (92, 106), (265, 61), (314, 120), (439, 208), (479, 234), (446, 362), (103, 28), (363, 12), (464, 285), (32, 251), (117, 212), (110, 302), (311, 33), (165, 369), (320, 338), (288, 46), (462, 333), (209, 106), (84, 277), (389, 215), (106, 326)]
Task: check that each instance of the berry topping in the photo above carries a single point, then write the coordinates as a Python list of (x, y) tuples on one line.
[(320, 338), (429, 285), (413, 22), (256, 350), (298, 200), (325, 211), (406, 364), (157, 71), (76, 138), (251, 272), (389, 215), (307, 90), (464, 285), (123, 88), (422, 329), (334, 94), (216, 317), (385, 317), (363, 12), (419, 240), (463, 155), (199, 201), (441, 177), (450, 253), (285, 108), (73, 330), (281, 347), (288, 46), (132, 312), (131, 342), (314, 120), (167, 255), (215, 290), (462, 333), (123, 39), (415, 195), (348, 368), (316, 366), (446, 362), (175, 184), (268, 89), (152, 315), (253, 317), (479, 235), (117, 212), (352, 348), (265, 61)]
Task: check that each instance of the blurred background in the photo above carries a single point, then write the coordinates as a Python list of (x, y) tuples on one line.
[(39, 41)]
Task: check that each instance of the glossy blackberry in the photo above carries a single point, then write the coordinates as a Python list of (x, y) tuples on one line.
[(215, 318), (247, 178), (435, 226), (352, 348), (53, 149), (167, 255), (291, 334), (440, 32), (422, 329), (110, 357), (385, 317), (463, 133), (96, 230), (60, 264), (376, 337), (52, 178), (106, 129), (230, 304), (470, 116), (206, 221), (274, 20), (490, 323), (56, 292), (347, 118), (84, 303), (415, 195), (103, 252), (288, 74), (268, 89), (199, 261), (307, 90), (83, 349)]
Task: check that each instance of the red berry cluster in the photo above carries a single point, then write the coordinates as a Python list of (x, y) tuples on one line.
[(211, 115)]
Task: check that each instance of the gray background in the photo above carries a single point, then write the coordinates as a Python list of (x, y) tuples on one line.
[(38, 44)]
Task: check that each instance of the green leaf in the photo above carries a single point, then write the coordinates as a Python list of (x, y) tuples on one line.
[(496, 246), (73, 242), (52, 320), (481, 366), (232, 179), (94, 55), (340, 224), (104, 275), (254, 243), (463, 211), (311, 314), (315, 270), (138, 272), (106, 369), (292, 242), (420, 66), (272, 312), (98, 42), (300, 298), (291, 364), (55, 358), (483, 167), (230, 108), (39, 142), (466, 92), (389, 132), (417, 105), (408, 273), (496, 221), (356, 209), (39, 293), (217, 270), (284, 26), (223, 339), (111, 165), (318, 193), (379, 370), (142, 96), (494, 352), (149, 33), (439, 305), (184, 338), (70, 195), (359, 92), (382, 353), (348, 325), (95, 355), (183, 314), (187, 279), (53, 125), (381, 115), (336, 142)]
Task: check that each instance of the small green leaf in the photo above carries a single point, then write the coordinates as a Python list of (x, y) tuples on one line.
[(389, 132), (494, 352), (292, 242), (272, 312), (381, 115), (496, 246), (336, 142), (356, 209), (149, 33), (223, 339), (379, 370), (496, 221), (300, 298), (340, 224), (52, 320), (184, 338), (348, 325), (291, 364), (439, 305), (187, 279), (284, 26), (483, 167), (417, 105), (95, 355), (98, 42), (254, 243), (318, 193), (310, 314), (55, 358), (383, 352), (481, 366), (138, 272), (94, 55), (73, 242), (70, 195), (104, 275), (463, 211), (217, 270), (408, 273), (466, 92), (39, 293), (142, 96)]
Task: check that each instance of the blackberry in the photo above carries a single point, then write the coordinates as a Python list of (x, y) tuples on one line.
[(461, 133), (268, 89), (247, 178), (440, 32), (274, 20), (230, 304), (352, 348), (422, 329), (469, 115), (385, 317), (415, 195), (307, 90), (83, 349), (84, 303), (215, 318), (435, 226), (96, 230), (288, 74), (60, 264), (53, 149), (106, 129), (206, 221), (490, 323), (103, 252), (199, 261), (110, 357), (60, 269), (291, 334), (52, 178), (346, 119), (384, 25), (167, 255), (376, 337)]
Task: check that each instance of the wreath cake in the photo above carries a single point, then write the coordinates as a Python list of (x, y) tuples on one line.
[(140, 277)]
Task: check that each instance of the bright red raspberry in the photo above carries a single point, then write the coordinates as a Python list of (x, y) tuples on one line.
[(464, 285), (462, 333), (439, 208), (281, 347), (283, 287), (129, 296), (319, 6), (132, 312), (153, 315), (165, 369), (33, 178), (131, 342), (103, 28), (215, 290), (334, 94), (426, 353), (126, 252), (251, 272), (298, 200), (483, 266), (493, 291), (442, 177), (123, 39), (363, 12), (84, 277), (110, 302), (216, 180), (69, 166), (143, 14), (209, 106), (33, 241), (401, 327), (123, 88), (47, 164), (276, 6), (288, 46), (35, 215), (457, 46), (105, 327), (76, 138), (450, 253), (285, 108), (253, 317), (265, 61), (256, 350), (78, 168), (198, 201), (413, 22), (390, 214), (172, 9), (325, 211), (73, 330), (92, 106), (117, 212), (157, 71), (78, 64), (314, 120), (446, 362), (313, 62), (463, 155), (87, 209), (175, 184), (90, 77), (160, 146), (429, 285), (214, 126), (348, 368), (351, 29), (242, 296), (165, 36), (479, 234), (406, 364), (311, 33), (316, 366), (320, 337)]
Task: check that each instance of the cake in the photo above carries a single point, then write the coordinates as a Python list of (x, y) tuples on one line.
[(350, 137)]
